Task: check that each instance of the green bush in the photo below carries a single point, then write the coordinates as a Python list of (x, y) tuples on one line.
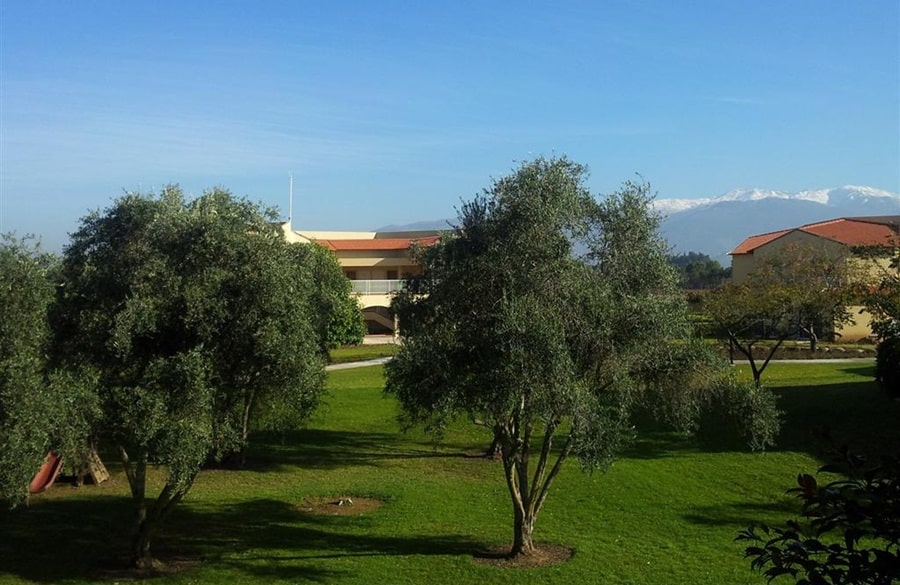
[(887, 365)]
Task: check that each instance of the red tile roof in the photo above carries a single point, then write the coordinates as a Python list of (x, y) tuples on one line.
[(854, 233), (754, 242), (847, 231), (377, 244)]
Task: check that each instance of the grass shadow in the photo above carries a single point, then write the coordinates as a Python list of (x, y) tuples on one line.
[(744, 514), (866, 370), (262, 538), (855, 413), (58, 539), (327, 449)]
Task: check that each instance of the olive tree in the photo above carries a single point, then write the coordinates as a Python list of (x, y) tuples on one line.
[(786, 295), (337, 315), (40, 408), (196, 317), (25, 293), (551, 350)]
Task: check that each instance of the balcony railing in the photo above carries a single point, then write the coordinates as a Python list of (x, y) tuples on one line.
[(376, 287)]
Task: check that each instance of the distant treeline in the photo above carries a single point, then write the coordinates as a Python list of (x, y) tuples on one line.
[(699, 271)]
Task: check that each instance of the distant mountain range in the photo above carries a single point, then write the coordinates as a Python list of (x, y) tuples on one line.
[(715, 226)]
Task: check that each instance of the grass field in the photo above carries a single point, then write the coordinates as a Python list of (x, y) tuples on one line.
[(665, 513), (359, 353)]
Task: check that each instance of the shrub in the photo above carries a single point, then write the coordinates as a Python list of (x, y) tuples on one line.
[(887, 365), (850, 533)]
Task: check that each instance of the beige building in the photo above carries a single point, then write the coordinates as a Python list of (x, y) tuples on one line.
[(838, 237), (375, 262)]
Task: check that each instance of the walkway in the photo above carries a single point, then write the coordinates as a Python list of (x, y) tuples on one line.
[(350, 365)]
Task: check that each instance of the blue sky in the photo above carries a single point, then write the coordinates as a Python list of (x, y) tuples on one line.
[(392, 112)]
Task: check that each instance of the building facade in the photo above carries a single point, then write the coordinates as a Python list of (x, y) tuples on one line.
[(838, 238), (375, 263)]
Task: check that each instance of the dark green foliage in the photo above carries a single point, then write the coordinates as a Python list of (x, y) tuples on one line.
[(850, 532), (196, 314), (699, 271), (547, 350), (25, 293), (40, 409), (887, 363), (747, 409), (347, 326), (337, 317)]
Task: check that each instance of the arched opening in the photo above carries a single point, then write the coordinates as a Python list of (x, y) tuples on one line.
[(379, 320)]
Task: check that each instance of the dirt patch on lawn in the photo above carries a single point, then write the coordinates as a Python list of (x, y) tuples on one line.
[(545, 555), (339, 506), (159, 567)]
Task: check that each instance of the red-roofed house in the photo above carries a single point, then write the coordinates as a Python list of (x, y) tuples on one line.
[(375, 263), (837, 236)]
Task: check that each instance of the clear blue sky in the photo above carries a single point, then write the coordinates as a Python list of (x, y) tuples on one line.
[(391, 112)]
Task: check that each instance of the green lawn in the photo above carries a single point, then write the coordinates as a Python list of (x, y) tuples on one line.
[(666, 513), (359, 353)]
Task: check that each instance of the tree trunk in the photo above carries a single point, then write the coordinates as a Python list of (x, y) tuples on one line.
[(151, 519), (527, 503), (140, 545), (136, 472), (523, 529), (495, 450)]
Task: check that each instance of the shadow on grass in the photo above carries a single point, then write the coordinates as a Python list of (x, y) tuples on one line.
[(57, 539), (326, 449), (857, 414), (71, 539), (865, 370), (744, 514)]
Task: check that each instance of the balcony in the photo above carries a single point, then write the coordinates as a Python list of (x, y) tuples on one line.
[(376, 287)]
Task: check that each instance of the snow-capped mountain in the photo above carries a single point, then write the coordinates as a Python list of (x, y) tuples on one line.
[(840, 196), (715, 226)]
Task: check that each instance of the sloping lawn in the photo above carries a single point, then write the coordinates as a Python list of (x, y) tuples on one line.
[(666, 513)]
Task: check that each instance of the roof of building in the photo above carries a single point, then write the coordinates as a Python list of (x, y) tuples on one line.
[(850, 231), (754, 242), (377, 244)]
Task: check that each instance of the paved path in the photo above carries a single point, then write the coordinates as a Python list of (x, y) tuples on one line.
[(384, 360), (350, 365), (815, 361)]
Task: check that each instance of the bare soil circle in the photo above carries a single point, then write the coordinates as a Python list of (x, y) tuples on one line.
[(164, 566), (339, 506), (545, 555)]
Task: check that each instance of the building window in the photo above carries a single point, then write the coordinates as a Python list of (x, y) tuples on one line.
[(392, 275), (350, 274)]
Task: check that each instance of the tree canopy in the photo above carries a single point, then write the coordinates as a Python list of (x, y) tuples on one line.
[(337, 316), (552, 351), (699, 271), (800, 289), (40, 408), (196, 316)]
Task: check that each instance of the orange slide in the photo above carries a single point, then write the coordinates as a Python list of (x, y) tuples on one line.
[(46, 475)]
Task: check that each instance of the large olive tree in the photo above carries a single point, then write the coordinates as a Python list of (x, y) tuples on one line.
[(40, 408), (196, 316), (549, 318)]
